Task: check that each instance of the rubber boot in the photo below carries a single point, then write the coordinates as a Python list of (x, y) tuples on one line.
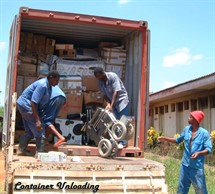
[(40, 144), (23, 144)]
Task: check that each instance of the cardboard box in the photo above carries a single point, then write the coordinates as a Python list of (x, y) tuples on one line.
[(38, 45), (50, 45), (27, 69), (66, 53), (29, 80), (82, 68), (27, 59), (19, 85), (118, 69), (70, 129), (93, 98), (90, 83), (28, 44), (114, 55), (70, 82), (22, 42), (73, 105), (64, 46)]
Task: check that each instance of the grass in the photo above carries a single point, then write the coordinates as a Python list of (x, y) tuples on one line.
[(172, 166)]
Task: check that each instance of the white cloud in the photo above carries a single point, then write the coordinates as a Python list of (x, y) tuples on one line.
[(2, 45), (123, 1), (180, 57), (167, 84)]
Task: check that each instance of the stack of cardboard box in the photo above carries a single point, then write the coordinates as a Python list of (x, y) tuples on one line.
[(65, 50), (115, 59)]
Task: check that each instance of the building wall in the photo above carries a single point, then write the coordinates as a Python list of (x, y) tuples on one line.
[(176, 112)]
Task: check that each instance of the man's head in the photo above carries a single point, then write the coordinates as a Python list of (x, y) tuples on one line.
[(100, 74), (53, 77), (197, 116)]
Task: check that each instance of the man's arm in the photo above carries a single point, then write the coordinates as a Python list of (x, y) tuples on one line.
[(115, 94), (36, 116), (200, 153), (168, 139)]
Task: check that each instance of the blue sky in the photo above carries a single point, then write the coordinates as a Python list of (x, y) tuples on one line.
[(182, 33)]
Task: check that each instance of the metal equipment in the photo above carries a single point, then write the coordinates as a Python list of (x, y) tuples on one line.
[(106, 131)]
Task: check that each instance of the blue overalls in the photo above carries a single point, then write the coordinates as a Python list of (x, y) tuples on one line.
[(192, 171)]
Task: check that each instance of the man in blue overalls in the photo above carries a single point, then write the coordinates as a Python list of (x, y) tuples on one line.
[(197, 144), (114, 93), (38, 109)]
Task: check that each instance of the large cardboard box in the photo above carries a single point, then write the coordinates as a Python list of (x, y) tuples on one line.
[(64, 46), (93, 98), (70, 129), (28, 43), (27, 69), (27, 59), (29, 80), (38, 45), (66, 53), (114, 55), (90, 83), (118, 69), (70, 82), (19, 85), (73, 105), (82, 68), (50, 45)]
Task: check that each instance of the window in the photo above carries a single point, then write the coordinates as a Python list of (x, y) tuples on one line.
[(172, 107), (203, 102), (180, 106), (166, 107), (186, 105), (212, 101), (161, 110), (193, 104), (156, 110)]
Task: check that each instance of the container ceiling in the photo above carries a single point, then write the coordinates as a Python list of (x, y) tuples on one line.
[(79, 34)]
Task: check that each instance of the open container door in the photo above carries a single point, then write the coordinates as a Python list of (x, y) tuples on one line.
[(10, 95)]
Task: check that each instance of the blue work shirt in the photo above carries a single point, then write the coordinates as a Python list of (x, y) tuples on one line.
[(38, 92), (114, 84), (200, 142)]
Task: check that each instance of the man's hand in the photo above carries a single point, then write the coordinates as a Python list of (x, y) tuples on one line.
[(39, 125), (108, 107), (161, 139), (194, 155)]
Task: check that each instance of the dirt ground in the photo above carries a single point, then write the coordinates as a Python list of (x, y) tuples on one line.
[(2, 170)]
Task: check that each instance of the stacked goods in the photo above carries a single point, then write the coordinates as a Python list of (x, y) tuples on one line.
[(115, 59), (92, 95), (27, 72), (78, 67), (40, 54), (50, 45), (65, 50), (72, 87)]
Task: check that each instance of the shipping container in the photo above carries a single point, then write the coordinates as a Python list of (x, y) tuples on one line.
[(84, 169)]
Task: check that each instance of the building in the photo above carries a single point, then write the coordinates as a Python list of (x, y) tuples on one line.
[(169, 109)]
